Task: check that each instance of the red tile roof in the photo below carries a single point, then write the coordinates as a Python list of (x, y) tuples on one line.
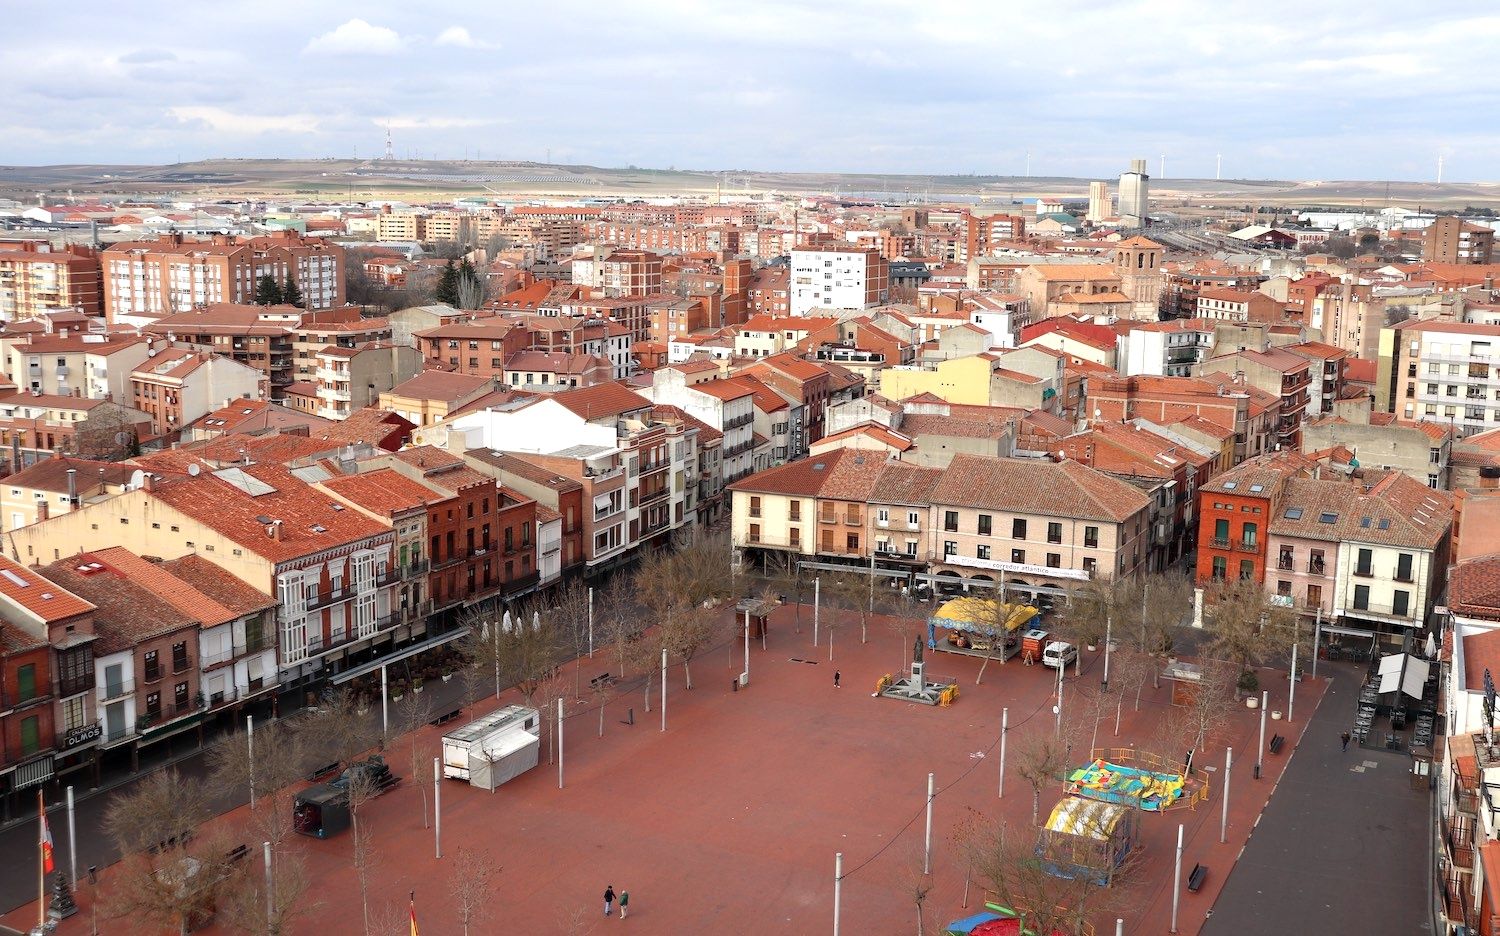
[(228, 590), (160, 582), (601, 401), (384, 491), (1026, 485), (37, 594)]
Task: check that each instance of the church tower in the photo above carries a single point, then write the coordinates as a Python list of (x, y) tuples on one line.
[(1138, 262)]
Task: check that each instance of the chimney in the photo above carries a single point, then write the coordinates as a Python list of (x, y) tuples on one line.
[(101, 481), (41, 511), (72, 487), (149, 482), (275, 530)]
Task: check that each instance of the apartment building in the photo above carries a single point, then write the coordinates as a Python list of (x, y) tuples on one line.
[(726, 405), (238, 332), (76, 364), (1024, 521), (144, 280), (978, 380), (432, 395), (34, 426), (559, 500), (1441, 370), (331, 569), (47, 713), (1165, 349), (1450, 239), (1237, 305), (983, 234), (1248, 412), (344, 327), (36, 277), (350, 379), (178, 386), (835, 277), (802, 382), (1279, 374), (1327, 373), (617, 273), (473, 348), (1420, 450), (765, 335)]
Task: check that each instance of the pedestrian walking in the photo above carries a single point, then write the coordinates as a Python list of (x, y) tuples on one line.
[(609, 898), (624, 903), (836, 676), (1345, 739)]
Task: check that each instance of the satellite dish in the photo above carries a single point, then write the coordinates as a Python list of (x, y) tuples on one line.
[(137, 479), (150, 352), (194, 470)]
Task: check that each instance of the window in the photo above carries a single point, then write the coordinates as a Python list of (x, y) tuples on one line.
[(950, 521), (151, 667), (984, 524), (794, 510), (755, 506), (852, 542), (179, 657), (794, 535), (1018, 556), (1361, 597), (1018, 529), (1090, 564), (1054, 561), (1403, 568), (1401, 602), (153, 706), (883, 516), (1314, 596), (982, 552), (913, 519), (950, 548), (72, 713), (911, 547), (1284, 588), (1362, 563), (1247, 569), (1248, 535), (1091, 537), (31, 736), (1054, 532), (1221, 532), (26, 682)]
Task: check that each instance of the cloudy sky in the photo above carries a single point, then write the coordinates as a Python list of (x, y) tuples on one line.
[(1320, 90)]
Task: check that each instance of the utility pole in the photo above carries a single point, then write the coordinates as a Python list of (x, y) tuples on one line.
[(1265, 701), (838, 883), (1004, 730), (1224, 819), (1177, 879), (927, 848)]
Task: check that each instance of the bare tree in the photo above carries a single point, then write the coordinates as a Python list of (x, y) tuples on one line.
[(1023, 877), (917, 884), (1040, 759), (413, 713), (1187, 729), (359, 790), (851, 593), (1248, 630), (689, 631), (614, 615), (169, 876), (338, 728), (521, 654), (281, 757), (249, 910), (471, 883)]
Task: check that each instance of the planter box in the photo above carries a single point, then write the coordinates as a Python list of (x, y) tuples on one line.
[(1252, 702)]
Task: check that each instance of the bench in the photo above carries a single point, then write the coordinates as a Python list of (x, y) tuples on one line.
[(323, 772), (1196, 876), (1276, 742), (446, 717), (602, 681), (237, 853)]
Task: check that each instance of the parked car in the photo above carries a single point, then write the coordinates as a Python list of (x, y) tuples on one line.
[(1059, 653)]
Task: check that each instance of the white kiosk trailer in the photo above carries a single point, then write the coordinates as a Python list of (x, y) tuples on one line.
[(495, 748)]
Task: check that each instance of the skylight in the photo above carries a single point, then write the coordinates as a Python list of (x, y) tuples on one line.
[(1293, 513), (1231, 485), (1326, 517), (14, 579), (1257, 488)]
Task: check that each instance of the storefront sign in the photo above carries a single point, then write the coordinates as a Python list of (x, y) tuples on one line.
[(1016, 567), (83, 734)]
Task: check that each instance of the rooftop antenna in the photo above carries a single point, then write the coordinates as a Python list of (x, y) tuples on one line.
[(390, 153)]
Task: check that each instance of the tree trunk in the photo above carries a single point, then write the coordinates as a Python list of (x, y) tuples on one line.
[(687, 674), (601, 718), (1036, 802), (980, 678), (648, 690)]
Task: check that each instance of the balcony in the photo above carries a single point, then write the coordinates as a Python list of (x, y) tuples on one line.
[(828, 518), (520, 583), (1248, 546), (331, 597), (853, 520), (180, 665), (416, 568), (390, 576), (1284, 564), (153, 674), (1315, 566), (738, 422), (74, 685), (329, 375), (1219, 542), (654, 496), (648, 467), (116, 690)]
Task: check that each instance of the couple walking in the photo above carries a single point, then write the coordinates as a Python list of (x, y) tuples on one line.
[(609, 900)]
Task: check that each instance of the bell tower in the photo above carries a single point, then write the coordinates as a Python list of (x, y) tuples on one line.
[(1138, 262)]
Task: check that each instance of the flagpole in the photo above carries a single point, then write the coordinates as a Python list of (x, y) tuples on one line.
[(41, 864)]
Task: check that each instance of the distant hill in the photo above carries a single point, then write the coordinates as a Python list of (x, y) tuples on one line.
[(365, 179)]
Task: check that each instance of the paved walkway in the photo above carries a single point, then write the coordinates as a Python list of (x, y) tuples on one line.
[(1342, 847)]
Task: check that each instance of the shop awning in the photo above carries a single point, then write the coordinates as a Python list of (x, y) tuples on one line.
[(982, 615)]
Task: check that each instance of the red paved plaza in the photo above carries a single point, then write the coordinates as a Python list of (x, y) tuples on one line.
[(728, 822)]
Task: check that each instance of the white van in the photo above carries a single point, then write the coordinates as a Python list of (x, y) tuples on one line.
[(1059, 653)]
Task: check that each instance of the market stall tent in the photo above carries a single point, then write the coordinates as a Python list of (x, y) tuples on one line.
[(1086, 839)]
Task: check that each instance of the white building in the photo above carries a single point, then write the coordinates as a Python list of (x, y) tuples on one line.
[(1135, 195), (837, 278)]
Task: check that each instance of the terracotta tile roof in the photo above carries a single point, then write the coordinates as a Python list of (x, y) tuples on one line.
[(37, 594), (1481, 652), (1474, 590), (371, 425), (129, 611), (161, 582), (1025, 485), (917, 425), (439, 385), (1396, 511), (901, 483), (880, 433), (441, 468), (384, 491), (256, 416), (806, 477), (729, 388), (519, 466), (51, 474), (228, 590), (601, 401), (221, 501), (706, 433), (495, 399)]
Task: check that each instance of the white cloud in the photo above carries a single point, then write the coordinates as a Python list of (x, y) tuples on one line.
[(222, 121), (431, 123), (460, 37), (357, 37)]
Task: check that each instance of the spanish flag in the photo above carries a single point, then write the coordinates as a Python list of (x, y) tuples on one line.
[(414, 914), (46, 836)]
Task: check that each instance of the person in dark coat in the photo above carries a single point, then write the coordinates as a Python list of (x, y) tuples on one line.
[(1345, 739), (609, 898), (836, 676)]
